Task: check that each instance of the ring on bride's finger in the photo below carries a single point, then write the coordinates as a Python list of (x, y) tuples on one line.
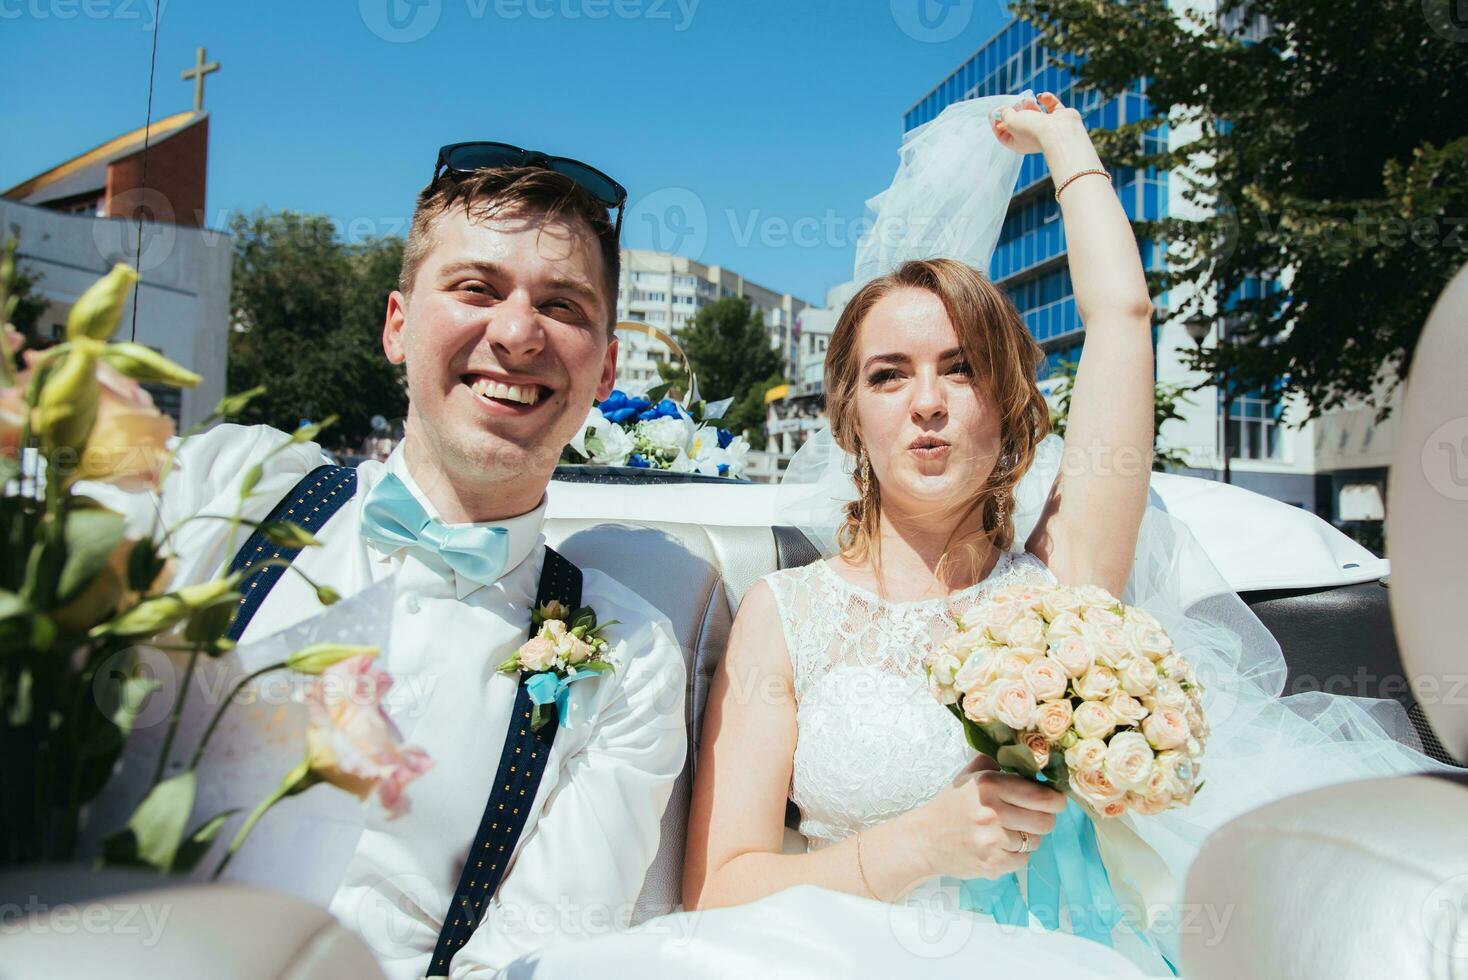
[(1024, 843)]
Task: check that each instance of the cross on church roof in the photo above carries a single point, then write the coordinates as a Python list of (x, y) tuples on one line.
[(197, 73)]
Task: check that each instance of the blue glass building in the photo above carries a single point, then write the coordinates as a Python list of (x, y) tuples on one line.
[(1029, 262)]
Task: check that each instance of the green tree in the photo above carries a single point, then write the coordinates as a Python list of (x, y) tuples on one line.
[(732, 358), (1166, 406), (307, 314), (1332, 141)]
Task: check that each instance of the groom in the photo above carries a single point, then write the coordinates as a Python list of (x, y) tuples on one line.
[(503, 319)]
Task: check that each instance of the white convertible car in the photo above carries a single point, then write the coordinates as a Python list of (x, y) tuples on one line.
[(1359, 880)]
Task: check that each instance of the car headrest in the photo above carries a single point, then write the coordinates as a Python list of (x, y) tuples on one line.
[(1427, 529)]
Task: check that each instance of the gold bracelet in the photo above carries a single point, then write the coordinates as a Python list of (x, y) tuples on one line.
[(861, 870), (1073, 177)]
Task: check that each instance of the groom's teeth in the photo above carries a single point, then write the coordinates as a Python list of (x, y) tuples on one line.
[(524, 394)]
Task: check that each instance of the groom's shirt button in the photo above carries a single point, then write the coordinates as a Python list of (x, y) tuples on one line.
[(412, 604)]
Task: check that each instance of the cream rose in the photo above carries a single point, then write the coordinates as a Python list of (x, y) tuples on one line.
[(1096, 596), (978, 706), (942, 693), (1138, 677), (977, 671), (1128, 761), (1108, 643), (1028, 633), (1059, 601), (1178, 772), (1149, 641), (1093, 787), (1039, 747), (1073, 654), (1093, 720), (537, 655), (1128, 710), (1148, 806), (1087, 755), (1165, 728), (1046, 679), (1167, 694), (1096, 684), (944, 666), (1174, 667), (1013, 704), (1065, 624), (999, 617), (1053, 719), (1011, 664)]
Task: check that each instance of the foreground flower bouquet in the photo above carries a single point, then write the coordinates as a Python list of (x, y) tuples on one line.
[(79, 595), (1071, 687)]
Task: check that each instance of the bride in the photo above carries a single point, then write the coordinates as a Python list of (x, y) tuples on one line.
[(821, 698)]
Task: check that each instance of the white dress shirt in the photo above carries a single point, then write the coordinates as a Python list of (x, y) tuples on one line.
[(593, 827)]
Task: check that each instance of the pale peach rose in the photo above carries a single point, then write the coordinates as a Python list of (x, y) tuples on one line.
[(1092, 786), (128, 443), (1087, 755), (1128, 710), (1093, 720), (1013, 704), (1096, 684), (978, 706), (1174, 667), (1128, 761), (1028, 633), (1039, 747), (1073, 653), (1197, 722), (1179, 772), (1058, 601), (1102, 616), (977, 672), (537, 655), (1165, 728), (1108, 643), (944, 666), (943, 693), (1065, 624), (1136, 616), (1138, 676), (1151, 642), (1046, 679), (351, 742), (1147, 806), (999, 617), (1096, 596), (1167, 694), (1053, 719), (1012, 663)]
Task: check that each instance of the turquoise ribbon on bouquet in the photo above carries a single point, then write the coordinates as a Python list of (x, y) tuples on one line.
[(1067, 863), (546, 688)]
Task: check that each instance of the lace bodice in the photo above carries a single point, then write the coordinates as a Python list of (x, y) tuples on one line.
[(871, 742)]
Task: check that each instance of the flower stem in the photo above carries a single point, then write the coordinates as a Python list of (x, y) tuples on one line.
[(178, 702), (295, 781)]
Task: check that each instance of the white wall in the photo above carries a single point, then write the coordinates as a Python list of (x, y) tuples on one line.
[(183, 302)]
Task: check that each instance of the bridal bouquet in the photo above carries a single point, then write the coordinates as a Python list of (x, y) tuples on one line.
[(628, 430), (84, 601), (1072, 684)]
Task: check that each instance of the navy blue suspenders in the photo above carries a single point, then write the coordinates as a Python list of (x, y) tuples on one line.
[(522, 762)]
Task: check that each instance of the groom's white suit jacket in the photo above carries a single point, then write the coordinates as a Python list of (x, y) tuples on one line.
[(592, 831)]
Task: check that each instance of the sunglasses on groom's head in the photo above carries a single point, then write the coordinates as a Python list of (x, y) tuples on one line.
[(462, 159)]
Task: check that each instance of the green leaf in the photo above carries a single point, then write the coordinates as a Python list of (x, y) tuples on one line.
[(208, 625), (191, 851), (596, 665), (12, 605), (158, 823), (657, 393), (1018, 759), (91, 535), (20, 707)]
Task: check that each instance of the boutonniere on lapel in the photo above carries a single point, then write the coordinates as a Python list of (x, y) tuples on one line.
[(567, 647)]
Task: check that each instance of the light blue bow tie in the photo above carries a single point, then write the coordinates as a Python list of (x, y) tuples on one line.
[(393, 518)]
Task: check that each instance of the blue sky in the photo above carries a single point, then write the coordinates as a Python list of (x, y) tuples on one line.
[(748, 132)]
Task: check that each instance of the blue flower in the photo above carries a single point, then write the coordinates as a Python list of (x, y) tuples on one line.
[(725, 437), (667, 408), (619, 408), (637, 459), (723, 469)]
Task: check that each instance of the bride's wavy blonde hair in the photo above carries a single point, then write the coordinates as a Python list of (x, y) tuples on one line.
[(1004, 359)]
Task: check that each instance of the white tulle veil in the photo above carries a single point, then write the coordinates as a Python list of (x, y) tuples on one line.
[(948, 199)]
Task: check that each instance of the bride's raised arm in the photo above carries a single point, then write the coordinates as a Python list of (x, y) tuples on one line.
[(1088, 532)]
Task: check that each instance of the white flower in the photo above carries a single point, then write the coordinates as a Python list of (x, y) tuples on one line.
[(668, 435), (1087, 755), (704, 451), (1013, 704), (738, 457), (1093, 719), (601, 441), (1129, 761)]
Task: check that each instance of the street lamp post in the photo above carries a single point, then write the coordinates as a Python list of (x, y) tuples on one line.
[(1198, 327)]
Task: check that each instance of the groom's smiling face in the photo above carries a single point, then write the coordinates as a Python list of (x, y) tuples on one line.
[(504, 335)]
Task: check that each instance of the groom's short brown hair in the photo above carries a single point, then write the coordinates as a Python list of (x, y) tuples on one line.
[(513, 192)]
